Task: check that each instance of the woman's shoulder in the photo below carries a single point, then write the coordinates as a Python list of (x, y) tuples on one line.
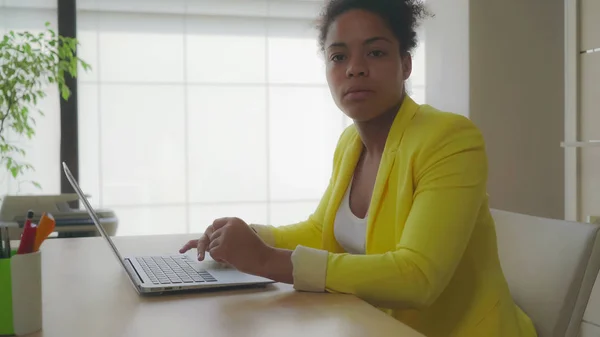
[(434, 121), (429, 127), (434, 133)]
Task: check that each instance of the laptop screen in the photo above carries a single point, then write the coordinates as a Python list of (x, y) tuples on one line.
[(92, 213)]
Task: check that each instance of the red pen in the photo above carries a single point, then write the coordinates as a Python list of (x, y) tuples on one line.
[(28, 236)]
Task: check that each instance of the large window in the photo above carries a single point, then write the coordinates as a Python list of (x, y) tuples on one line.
[(201, 109)]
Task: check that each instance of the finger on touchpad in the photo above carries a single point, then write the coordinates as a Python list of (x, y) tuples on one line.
[(212, 264), (209, 263)]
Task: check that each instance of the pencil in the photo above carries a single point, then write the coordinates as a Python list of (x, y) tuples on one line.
[(7, 243), (2, 242)]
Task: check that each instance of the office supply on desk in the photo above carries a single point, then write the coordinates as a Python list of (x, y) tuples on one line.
[(5, 242), (2, 244), (20, 282), (28, 237), (159, 274), (20, 294), (69, 222), (44, 229)]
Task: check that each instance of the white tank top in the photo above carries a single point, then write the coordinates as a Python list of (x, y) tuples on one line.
[(350, 231)]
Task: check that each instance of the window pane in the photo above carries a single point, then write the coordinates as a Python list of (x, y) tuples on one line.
[(32, 20), (89, 141), (225, 50), (347, 121), (417, 76), (294, 55), (305, 126), (42, 151), (87, 35), (227, 143), (418, 94), (307, 10), (140, 47), (142, 135), (151, 220), (228, 8), (203, 216), (136, 6), (287, 213), (30, 4)]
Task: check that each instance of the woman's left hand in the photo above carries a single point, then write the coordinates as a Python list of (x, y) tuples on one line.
[(236, 244)]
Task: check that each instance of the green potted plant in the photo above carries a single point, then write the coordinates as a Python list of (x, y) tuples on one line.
[(29, 64)]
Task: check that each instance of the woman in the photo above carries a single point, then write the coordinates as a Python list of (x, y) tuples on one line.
[(404, 223)]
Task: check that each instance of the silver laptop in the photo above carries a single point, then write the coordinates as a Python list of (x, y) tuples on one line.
[(173, 273)]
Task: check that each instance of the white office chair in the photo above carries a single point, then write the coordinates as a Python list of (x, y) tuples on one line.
[(551, 267)]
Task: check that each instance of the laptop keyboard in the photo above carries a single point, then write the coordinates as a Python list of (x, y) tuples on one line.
[(169, 270)]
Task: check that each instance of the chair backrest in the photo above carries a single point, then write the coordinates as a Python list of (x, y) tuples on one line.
[(550, 266)]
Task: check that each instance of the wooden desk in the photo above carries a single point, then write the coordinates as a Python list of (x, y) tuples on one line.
[(86, 293)]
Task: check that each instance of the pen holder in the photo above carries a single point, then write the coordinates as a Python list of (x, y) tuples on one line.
[(21, 294)]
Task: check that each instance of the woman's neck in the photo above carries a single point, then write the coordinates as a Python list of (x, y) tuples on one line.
[(374, 132)]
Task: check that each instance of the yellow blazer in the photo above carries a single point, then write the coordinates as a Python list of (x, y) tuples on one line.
[(431, 257)]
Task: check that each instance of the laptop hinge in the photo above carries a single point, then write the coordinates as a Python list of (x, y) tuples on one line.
[(131, 270)]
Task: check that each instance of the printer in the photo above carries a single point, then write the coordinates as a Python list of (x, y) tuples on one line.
[(70, 222)]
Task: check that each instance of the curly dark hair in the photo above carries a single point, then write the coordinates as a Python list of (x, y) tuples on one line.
[(402, 17)]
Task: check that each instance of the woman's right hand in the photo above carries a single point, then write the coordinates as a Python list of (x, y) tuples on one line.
[(200, 244)]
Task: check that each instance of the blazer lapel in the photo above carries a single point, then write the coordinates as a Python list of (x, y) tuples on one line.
[(407, 111), (346, 171)]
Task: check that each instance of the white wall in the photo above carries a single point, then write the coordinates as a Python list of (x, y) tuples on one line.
[(506, 71), (447, 56)]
